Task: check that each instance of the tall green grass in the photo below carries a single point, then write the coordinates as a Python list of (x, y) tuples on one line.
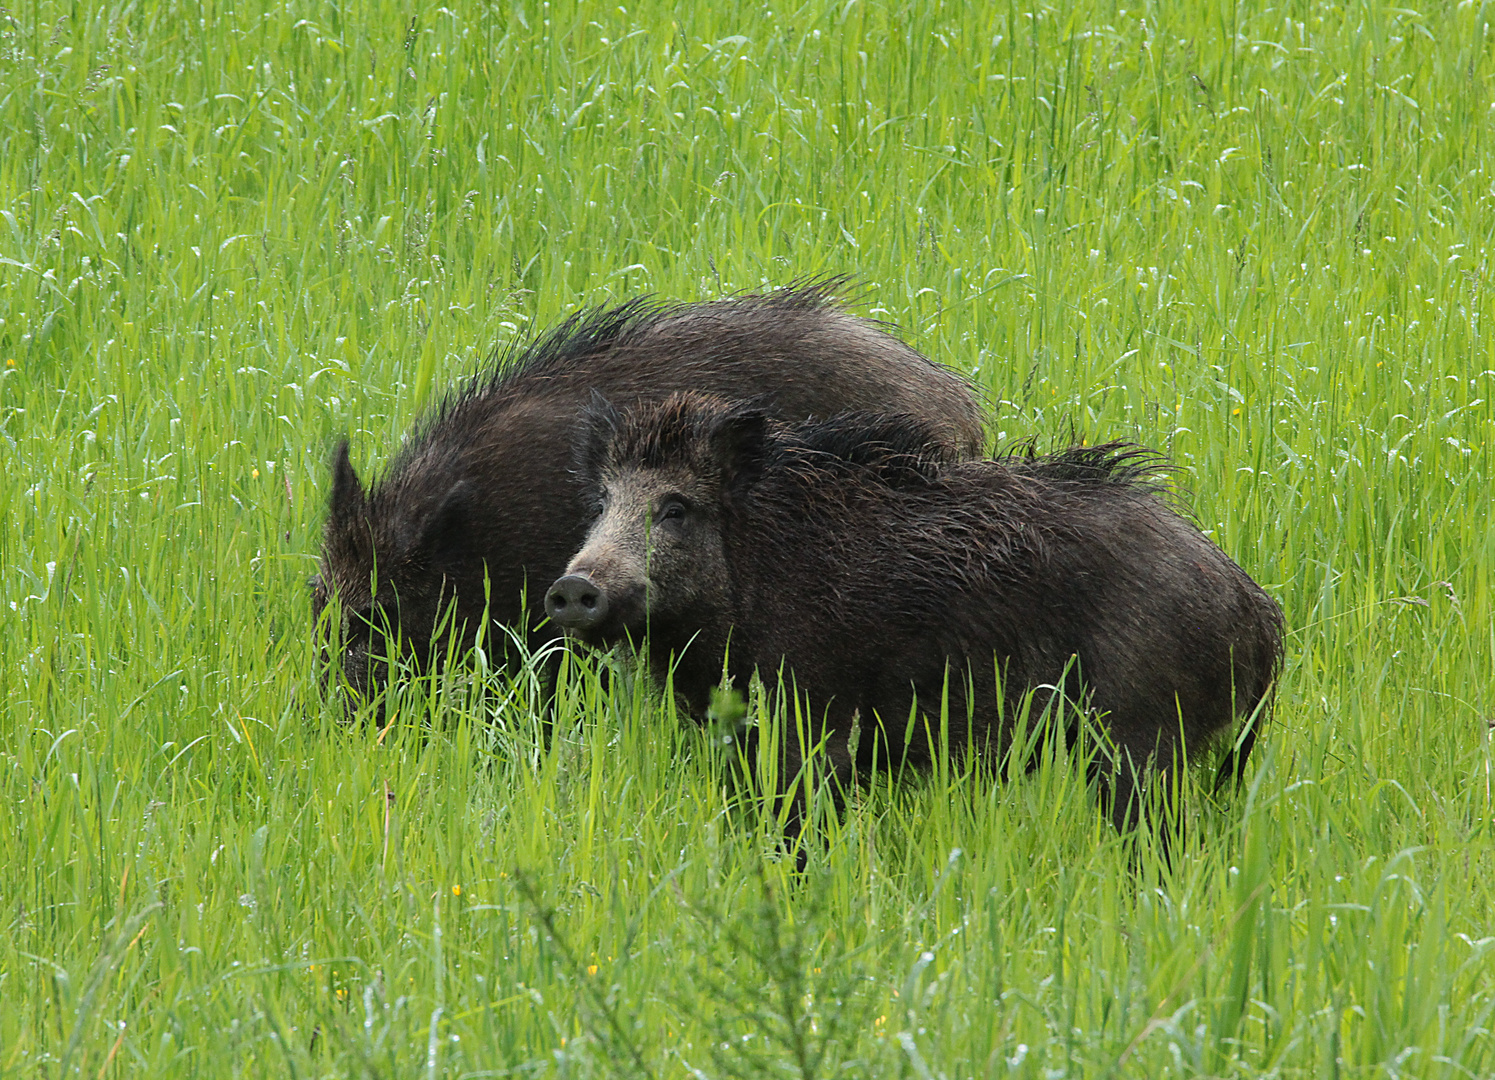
[(1258, 237)]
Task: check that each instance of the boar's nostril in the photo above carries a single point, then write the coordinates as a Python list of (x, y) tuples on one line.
[(576, 603)]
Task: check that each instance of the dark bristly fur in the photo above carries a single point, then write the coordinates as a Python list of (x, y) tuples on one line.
[(876, 574), (485, 485)]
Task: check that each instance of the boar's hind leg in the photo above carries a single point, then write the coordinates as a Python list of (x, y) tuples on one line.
[(1143, 781)]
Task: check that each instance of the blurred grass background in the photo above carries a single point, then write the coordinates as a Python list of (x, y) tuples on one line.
[(1255, 236)]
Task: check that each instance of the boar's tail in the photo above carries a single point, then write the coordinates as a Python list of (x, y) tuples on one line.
[(1233, 769), (1269, 668), (896, 447), (1121, 463)]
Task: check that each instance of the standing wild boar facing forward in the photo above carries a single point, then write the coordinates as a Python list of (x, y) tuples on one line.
[(480, 505), (877, 576)]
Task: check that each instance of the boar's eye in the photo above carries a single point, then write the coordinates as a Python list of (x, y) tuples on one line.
[(672, 509)]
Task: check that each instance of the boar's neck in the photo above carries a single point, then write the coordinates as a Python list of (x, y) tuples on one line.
[(695, 651), (696, 666)]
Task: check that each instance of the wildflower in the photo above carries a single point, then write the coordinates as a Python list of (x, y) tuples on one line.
[(1235, 411), (456, 890), (591, 969), (255, 474), (10, 361)]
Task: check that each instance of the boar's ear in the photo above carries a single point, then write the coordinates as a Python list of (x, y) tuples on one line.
[(597, 428), (441, 535), (738, 441), (347, 492)]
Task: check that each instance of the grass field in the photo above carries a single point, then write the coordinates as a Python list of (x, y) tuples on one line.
[(1258, 237)]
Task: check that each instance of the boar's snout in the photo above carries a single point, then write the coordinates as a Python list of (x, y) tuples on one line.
[(575, 602)]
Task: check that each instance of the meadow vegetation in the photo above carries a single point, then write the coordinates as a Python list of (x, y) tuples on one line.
[(1256, 236)]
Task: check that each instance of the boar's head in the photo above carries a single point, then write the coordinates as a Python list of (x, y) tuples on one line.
[(665, 478), (386, 558)]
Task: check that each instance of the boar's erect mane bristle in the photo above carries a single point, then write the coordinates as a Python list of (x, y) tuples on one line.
[(703, 337), (895, 447), (562, 354), (557, 352), (1122, 463)]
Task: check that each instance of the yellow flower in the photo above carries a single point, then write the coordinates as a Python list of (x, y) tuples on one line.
[(456, 890), (591, 969), (255, 474), (1235, 411), (10, 361)]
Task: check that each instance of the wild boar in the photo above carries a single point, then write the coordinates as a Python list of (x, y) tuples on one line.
[(881, 579)]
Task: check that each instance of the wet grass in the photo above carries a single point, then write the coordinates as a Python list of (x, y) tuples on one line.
[(1257, 237)]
